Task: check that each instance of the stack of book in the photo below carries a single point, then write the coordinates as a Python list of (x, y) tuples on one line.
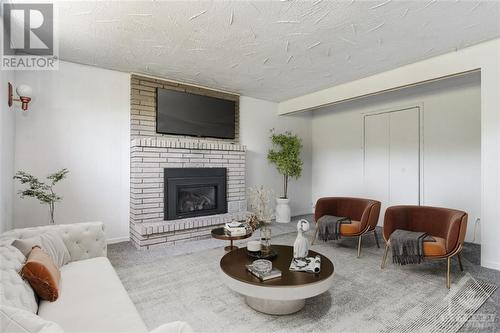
[(235, 229), (273, 274)]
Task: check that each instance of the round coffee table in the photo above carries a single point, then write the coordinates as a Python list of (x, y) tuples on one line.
[(219, 233), (278, 296)]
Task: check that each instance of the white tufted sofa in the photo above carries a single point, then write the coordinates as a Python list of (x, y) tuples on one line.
[(92, 297)]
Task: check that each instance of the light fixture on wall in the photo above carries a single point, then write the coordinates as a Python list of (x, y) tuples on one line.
[(24, 92)]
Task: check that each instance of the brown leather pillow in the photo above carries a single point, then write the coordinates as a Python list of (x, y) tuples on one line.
[(42, 274)]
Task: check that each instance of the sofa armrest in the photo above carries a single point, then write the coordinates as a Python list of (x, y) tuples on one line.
[(84, 240)]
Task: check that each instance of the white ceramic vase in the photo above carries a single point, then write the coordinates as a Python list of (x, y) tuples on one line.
[(283, 213)]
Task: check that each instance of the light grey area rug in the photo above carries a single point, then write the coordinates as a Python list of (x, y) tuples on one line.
[(364, 298)]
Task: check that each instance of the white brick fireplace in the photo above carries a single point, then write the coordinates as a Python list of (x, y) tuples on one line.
[(149, 157)]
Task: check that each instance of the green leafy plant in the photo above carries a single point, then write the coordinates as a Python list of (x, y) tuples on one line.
[(285, 155), (42, 191)]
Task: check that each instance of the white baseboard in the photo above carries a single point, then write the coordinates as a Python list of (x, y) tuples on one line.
[(118, 240), (490, 264)]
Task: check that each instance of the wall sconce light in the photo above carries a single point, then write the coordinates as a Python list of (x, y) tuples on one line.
[(24, 92)]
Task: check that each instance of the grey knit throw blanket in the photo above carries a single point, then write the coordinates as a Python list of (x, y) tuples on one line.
[(329, 226), (407, 246)]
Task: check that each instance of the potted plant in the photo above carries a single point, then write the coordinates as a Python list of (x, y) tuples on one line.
[(41, 191), (285, 155)]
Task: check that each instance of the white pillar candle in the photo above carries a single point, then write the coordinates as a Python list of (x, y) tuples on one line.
[(253, 246)]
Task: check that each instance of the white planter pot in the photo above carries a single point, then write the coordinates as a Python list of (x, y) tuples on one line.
[(283, 214)]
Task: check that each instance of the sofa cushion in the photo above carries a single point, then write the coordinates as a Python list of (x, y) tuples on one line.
[(50, 242), (14, 291), (92, 299), (15, 320), (42, 274)]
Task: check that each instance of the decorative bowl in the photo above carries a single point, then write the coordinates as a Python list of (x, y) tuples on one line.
[(271, 255), (262, 266)]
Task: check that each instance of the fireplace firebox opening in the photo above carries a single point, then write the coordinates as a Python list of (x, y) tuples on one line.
[(191, 192)]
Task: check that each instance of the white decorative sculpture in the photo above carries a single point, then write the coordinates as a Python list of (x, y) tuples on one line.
[(301, 245)]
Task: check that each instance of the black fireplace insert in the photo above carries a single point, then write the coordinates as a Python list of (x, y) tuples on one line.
[(190, 192)]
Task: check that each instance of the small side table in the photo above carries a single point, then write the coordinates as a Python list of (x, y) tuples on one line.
[(219, 233)]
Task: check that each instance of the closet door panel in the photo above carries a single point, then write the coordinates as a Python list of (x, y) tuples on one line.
[(392, 158), (404, 162), (376, 160)]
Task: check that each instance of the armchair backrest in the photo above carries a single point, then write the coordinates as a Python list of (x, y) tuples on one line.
[(450, 224), (364, 210)]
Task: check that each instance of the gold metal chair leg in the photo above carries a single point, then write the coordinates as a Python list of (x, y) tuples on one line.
[(448, 273), (460, 261), (359, 246), (384, 259), (376, 237)]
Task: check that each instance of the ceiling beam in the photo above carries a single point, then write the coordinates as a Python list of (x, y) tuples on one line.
[(439, 67)]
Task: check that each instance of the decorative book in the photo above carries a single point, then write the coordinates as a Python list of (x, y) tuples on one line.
[(235, 229), (308, 264), (273, 274)]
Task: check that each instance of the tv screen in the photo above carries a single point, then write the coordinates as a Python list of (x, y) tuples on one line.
[(184, 113)]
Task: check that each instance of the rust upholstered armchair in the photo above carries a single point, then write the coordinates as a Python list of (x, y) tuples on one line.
[(446, 226), (363, 213)]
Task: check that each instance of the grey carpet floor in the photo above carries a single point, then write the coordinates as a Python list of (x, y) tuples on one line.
[(363, 298)]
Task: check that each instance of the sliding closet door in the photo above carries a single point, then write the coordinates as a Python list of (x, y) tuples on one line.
[(377, 156), (404, 163), (392, 158)]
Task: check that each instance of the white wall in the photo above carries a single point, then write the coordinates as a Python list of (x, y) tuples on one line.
[(451, 149), (257, 118), (79, 119), (490, 155), (7, 137)]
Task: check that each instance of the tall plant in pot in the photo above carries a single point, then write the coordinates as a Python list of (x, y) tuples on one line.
[(285, 155), (44, 192)]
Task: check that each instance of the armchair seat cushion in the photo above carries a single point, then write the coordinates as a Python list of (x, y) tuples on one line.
[(435, 249), (350, 229)]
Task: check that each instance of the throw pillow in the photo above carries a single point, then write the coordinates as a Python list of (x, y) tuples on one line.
[(42, 274), (50, 242), (15, 320)]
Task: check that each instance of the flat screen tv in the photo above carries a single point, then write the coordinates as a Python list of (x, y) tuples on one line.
[(184, 113)]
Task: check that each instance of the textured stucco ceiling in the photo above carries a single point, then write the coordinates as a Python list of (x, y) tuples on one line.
[(272, 50)]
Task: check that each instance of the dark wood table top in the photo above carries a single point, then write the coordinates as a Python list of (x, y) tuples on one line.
[(233, 264), (219, 233)]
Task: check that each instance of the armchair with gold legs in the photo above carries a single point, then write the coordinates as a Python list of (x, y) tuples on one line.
[(363, 213), (446, 226)]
